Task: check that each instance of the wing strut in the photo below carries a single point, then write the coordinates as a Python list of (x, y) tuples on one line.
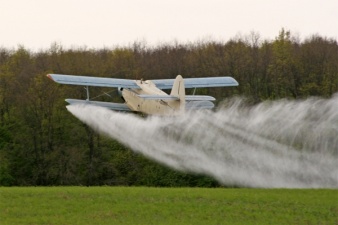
[(87, 89)]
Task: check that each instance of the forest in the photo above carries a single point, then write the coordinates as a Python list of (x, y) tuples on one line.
[(42, 144)]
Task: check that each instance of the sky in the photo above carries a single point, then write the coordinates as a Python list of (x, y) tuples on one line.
[(36, 24)]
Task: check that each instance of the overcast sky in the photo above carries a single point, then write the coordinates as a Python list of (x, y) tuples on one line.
[(107, 23)]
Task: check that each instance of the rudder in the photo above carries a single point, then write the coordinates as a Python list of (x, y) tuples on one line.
[(178, 90)]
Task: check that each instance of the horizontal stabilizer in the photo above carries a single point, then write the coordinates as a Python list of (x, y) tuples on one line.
[(170, 97), (199, 98), (109, 105), (195, 105), (198, 82), (159, 97)]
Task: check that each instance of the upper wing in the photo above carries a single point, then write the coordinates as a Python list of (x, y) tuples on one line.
[(198, 82), (126, 83), (93, 81)]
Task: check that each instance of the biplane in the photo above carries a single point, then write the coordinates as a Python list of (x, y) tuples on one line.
[(147, 96)]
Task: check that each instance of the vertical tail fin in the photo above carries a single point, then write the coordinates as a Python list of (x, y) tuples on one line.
[(178, 90)]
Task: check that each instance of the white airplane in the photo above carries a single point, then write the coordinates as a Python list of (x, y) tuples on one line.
[(147, 97)]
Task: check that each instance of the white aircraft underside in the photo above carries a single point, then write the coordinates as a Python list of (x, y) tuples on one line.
[(147, 96)]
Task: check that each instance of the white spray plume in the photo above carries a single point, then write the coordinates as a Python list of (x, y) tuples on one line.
[(277, 144)]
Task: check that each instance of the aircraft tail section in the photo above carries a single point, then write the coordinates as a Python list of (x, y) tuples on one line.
[(178, 91)]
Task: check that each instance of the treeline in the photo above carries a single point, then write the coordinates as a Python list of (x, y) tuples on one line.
[(41, 143)]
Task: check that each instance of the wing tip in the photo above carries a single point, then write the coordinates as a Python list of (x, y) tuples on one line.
[(50, 77), (235, 81)]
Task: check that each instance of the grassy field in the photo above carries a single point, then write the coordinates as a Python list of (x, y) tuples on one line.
[(141, 205)]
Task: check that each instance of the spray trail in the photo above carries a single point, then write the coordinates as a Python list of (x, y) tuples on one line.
[(291, 144)]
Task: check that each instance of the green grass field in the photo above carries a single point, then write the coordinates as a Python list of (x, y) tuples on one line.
[(142, 205)]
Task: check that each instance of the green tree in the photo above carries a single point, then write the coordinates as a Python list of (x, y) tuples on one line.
[(283, 76)]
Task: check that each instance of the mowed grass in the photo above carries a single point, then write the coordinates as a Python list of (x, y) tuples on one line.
[(142, 205)]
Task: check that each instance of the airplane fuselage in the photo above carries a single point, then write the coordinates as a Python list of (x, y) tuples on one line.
[(146, 106)]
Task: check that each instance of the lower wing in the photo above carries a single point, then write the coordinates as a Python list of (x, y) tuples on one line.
[(109, 105), (192, 105)]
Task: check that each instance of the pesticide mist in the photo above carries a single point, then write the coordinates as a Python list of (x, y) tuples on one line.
[(289, 144)]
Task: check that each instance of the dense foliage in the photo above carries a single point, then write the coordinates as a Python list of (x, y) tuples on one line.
[(41, 143)]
